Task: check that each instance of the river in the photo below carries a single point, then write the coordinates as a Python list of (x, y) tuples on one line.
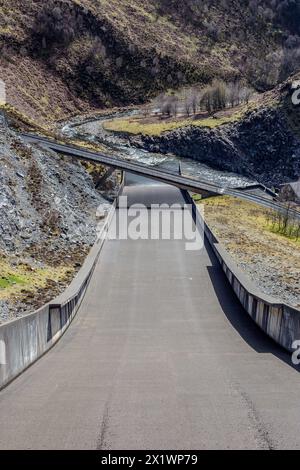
[(93, 131)]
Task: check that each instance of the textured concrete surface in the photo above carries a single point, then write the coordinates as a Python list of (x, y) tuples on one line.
[(160, 356)]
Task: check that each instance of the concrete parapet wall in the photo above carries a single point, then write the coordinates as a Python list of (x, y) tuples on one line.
[(281, 322), (25, 340)]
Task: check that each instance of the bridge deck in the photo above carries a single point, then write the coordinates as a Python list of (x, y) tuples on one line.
[(160, 356), (161, 175)]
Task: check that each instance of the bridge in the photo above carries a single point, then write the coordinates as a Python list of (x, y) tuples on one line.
[(161, 175), (161, 355)]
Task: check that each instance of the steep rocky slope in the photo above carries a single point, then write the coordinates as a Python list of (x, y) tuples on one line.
[(48, 222), (62, 56)]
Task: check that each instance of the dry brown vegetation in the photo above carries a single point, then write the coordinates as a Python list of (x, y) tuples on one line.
[(260, 242), (64, 56)]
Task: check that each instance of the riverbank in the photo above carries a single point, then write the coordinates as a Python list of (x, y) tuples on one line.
[(260, 146), (259, 140), (94, 130)]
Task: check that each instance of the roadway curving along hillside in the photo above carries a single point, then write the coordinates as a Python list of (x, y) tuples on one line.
[(160, 356)]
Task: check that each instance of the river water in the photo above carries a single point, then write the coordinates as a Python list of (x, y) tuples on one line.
[(94, 131)]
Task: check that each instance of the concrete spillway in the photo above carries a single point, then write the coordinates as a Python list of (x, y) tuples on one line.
[(160, 356)]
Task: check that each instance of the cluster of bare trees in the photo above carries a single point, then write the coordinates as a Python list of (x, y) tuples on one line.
[(220, 95), (285, 222), (217, 96)]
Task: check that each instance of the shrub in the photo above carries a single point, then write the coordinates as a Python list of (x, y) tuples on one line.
[(57, 23)]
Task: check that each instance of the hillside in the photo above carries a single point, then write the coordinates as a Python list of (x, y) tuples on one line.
[(49, 215), (64, 56), (260, 140)]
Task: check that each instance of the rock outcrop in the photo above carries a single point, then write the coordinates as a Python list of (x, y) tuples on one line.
[(49, 212), (260, 145)]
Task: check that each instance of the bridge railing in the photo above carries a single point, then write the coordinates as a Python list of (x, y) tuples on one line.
[(163, 175)]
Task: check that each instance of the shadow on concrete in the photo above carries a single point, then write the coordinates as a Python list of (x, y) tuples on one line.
[(239, 318)]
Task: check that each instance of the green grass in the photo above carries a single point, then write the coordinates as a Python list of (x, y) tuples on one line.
[(10, 280), (197, 197), (15, 280)]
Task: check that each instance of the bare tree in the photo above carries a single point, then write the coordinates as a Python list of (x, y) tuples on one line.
[(206, 99), (218, 95), (175, 105), (246, 94), (194, 101), (232, 94), (188, 105)]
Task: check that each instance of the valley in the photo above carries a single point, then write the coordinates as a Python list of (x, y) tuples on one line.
[(149, 227)]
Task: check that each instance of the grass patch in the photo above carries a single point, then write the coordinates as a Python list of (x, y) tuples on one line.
[(137, 126), (197, 197), (270, 258), (10, 280), (243, 214), (23, 278)]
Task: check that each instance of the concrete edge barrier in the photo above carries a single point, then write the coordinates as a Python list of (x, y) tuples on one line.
[(279, 321), (24, 340)]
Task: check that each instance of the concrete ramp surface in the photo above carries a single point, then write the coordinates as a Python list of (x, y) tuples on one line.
[(160, 356)]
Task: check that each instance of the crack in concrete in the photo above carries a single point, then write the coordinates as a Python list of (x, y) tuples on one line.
[(262, 435), (102, 443)]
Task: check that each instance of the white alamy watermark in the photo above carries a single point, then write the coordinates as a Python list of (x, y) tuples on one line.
[(2, 92), (2, 353), (296, 93), (296, 353), (157, 222)]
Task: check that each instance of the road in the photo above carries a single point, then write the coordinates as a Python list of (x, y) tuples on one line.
[(160, 356), (158, 174)]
